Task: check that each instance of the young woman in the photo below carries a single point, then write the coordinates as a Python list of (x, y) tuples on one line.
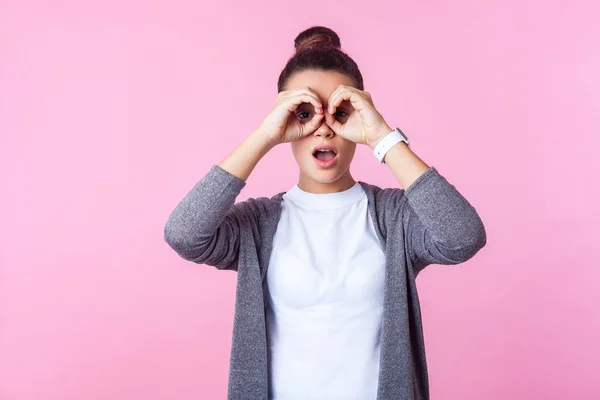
[(326, 301)]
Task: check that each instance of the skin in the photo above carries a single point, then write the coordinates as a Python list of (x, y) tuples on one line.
[(313, 178), (364, 125)]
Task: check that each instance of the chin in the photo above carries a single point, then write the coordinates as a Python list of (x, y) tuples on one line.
[(325, 180), (329, 175)]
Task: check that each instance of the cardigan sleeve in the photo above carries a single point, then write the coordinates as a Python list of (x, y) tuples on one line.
[(205, 226), (442, 226)]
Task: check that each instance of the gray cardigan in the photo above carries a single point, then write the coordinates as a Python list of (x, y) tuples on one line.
[(428, 223)]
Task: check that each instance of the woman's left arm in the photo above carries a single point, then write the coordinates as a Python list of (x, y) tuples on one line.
[(441, 226), (444, 228), (405, 164)]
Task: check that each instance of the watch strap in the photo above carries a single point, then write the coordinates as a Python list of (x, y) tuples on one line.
[(387, 143)]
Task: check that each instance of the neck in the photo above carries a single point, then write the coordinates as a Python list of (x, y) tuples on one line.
[(310, 185)]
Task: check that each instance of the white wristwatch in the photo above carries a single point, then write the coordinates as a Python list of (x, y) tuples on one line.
[(388, 142)]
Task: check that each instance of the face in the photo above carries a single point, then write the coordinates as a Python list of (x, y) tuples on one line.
[(315, 178)]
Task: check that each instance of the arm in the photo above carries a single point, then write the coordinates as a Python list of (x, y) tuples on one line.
[(441, 226), (242, 161), (204, 227)]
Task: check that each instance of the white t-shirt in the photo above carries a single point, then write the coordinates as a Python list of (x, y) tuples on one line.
[(325, 284)]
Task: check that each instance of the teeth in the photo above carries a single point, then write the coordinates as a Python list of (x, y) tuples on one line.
[(324, 151)]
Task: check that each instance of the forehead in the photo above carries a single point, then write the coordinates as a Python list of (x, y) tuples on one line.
[(322, 82)]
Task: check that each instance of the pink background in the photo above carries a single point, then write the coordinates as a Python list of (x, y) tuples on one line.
[(111, 111)]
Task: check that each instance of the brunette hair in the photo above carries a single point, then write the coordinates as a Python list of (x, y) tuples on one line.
[(319, 48)]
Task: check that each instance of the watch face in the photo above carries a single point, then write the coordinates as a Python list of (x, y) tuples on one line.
[(402, 133)]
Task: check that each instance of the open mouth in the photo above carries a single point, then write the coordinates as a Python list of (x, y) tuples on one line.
[(324, 154)]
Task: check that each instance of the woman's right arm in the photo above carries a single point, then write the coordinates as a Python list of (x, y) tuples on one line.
[(204, 227), (242, 161)]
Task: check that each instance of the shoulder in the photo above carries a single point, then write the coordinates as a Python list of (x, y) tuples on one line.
[(393, 197), (386, 205), (383, 198), (260, 209)]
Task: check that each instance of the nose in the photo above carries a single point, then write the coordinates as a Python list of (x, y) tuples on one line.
[(324, 131)]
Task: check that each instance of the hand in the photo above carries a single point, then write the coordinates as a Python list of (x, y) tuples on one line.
[(283, 125), (364, 126)]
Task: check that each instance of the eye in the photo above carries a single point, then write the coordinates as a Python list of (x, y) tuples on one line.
[(301, 113), (341, 116)]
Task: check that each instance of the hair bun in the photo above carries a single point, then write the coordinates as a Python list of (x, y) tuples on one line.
[(317, 37)]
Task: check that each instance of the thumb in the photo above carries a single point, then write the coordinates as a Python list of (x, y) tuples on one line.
[(333, 123), (313, 124)]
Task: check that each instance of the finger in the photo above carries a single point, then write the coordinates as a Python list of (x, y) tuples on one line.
[(307, 91), (333, 123), (330, 107), (346, 93), (294, 101), (334, 99), (319, 105)]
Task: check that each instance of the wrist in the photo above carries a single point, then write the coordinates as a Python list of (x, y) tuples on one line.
[(262, 140), (382, 132)]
